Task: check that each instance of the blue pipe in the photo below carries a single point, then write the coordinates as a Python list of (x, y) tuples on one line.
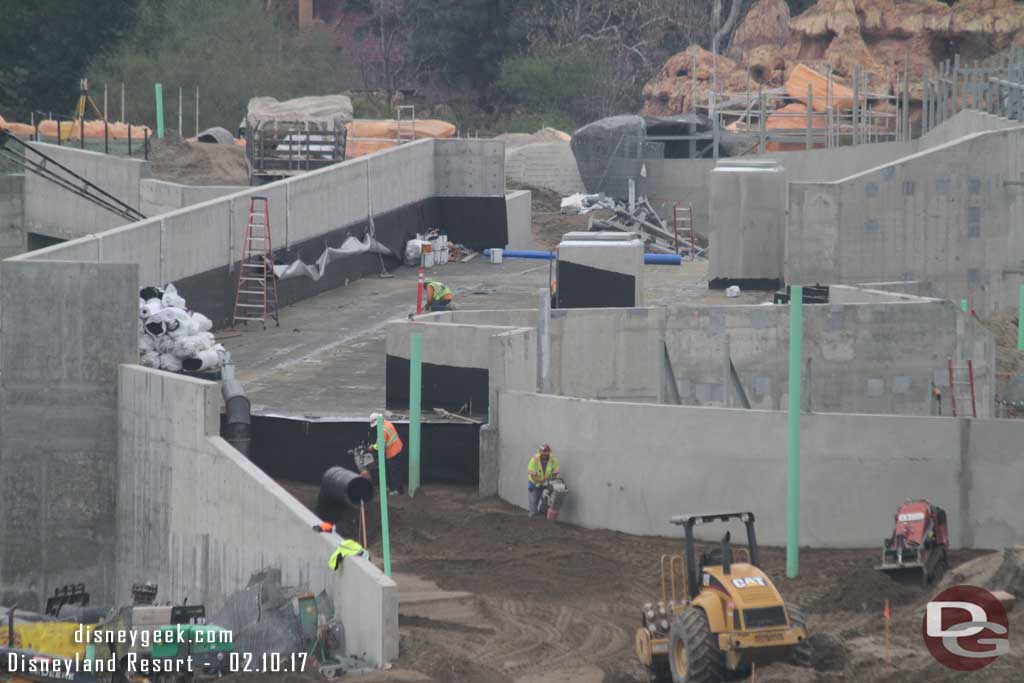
[(519, 253), (650, 259), (663, 259)]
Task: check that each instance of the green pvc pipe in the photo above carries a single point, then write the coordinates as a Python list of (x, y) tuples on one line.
[(159, 110), (1020, 320), (964, 305), (796, 331), (415, 386), (384, 533)]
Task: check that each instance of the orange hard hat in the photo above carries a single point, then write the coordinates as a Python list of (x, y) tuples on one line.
[(326, 526)]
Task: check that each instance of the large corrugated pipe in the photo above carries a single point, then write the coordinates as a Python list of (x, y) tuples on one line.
[(237, 428), (339, 485)]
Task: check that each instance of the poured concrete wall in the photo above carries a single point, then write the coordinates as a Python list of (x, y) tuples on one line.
[(674, 459), (53, 211), (469, 168), (613, 353), (945, 216), (199, 518), (960, 124), (881, 358), (207, 236), (686, 181), (519, 211), (159, 196), (547, 165), (66, 328), (12, 215)]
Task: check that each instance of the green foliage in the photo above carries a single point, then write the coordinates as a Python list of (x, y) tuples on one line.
[(466, 41), (573, 85), (45, 46), (232, 51)]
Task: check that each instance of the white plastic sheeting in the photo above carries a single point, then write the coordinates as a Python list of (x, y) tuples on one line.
[(172, 338), (350, 247)]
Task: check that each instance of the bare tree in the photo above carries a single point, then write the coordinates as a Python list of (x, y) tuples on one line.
[(392, 24)]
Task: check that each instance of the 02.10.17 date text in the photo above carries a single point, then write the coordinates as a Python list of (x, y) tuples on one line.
[(266, 662)]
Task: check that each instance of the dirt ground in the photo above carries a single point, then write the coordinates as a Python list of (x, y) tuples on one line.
[(549, 224), (174, 160), (552, 603)]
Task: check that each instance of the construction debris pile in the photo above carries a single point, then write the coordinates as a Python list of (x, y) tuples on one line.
[(173, 338), (639, 218)]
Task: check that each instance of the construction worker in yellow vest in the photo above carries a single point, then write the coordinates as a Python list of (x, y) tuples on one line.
[(542, 468), (439, 296), (392, 454), (347, 548)]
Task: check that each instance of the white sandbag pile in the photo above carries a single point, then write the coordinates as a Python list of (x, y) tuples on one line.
[(173, 338)]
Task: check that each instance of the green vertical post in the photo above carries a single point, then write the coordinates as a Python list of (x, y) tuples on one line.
[(796, 332), (964, 305), (159, 110), (415, 386), (1020, 320), (384, 532)]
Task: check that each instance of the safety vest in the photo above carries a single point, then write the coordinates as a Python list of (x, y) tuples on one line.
[(392, 444), (347, 548), (539, 476), (439, 290)]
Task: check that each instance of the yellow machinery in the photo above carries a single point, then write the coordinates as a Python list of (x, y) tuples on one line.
[(725, 617)]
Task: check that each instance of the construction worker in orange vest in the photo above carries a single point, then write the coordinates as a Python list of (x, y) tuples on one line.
[(542, 468), (392, 450)]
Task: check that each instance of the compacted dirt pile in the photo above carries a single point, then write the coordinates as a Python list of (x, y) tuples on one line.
[(552, 603)]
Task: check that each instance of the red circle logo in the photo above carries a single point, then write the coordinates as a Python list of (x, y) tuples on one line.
[(965, 628)]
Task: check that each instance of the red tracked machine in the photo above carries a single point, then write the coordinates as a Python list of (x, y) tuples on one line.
[(918, 544)]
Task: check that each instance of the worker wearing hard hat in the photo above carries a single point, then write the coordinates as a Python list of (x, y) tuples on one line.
[(543, 468), (392, 450), (439, 296)]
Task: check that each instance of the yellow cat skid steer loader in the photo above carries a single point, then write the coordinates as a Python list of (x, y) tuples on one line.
[(727, 617)]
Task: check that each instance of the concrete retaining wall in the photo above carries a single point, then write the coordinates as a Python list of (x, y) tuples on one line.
[(883, 353), (962, 123), (687, 181), (206, 236), (880, 358), (66, 328), (673, 459), (53, 211), (12, 215), (945, 216), (547, 165), (159, 196), (199, 518)]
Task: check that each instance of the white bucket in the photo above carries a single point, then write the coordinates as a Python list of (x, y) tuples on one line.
[(428, 259), (496, 255)]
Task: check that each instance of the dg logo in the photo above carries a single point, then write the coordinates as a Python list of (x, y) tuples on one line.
[(965, 628)]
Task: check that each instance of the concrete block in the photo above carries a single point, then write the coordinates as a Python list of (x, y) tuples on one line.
[(519, 216), (748, 201)]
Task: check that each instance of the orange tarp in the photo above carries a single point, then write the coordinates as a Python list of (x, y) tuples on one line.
[(93, 129), (388, 128), (792, 116), (21, 130), (358, 148), (802, 76)]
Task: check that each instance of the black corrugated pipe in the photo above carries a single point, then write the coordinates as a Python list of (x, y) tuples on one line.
[(237, 431), (339, 485)]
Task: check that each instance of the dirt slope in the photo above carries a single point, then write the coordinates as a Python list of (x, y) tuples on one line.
[(559, 604)]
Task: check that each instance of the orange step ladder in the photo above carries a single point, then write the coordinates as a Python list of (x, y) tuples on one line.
[(957, 381), (256, 293)]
